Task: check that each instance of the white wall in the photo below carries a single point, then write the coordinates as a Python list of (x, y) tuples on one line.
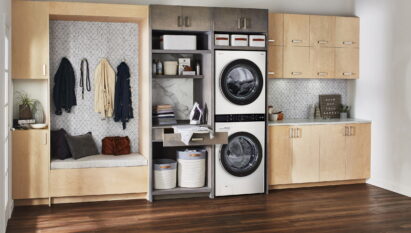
[(383, 94)]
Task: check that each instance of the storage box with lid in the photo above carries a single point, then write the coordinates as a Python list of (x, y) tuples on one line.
[(191, 168), (178, 42), (165, 174), (239, 40), (222, 39), (257, 41)]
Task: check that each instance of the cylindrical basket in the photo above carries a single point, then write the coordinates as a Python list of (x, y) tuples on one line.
[(165, 174), (191, 168)]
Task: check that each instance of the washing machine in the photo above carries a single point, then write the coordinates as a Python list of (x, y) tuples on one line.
[(240, 164), (240, 82)]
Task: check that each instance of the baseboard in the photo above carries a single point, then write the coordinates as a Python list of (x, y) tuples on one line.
[(9, 209), (317, 184), (391, 186)]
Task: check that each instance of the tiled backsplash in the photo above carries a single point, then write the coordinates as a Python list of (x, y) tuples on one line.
[(294, 96)]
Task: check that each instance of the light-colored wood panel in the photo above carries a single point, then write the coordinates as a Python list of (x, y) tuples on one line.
[(317, 184), (347, 32), (296, 30), (30, 45), (322, 31), (347, 63), (31, 162), (322, 62), (332, 152), (276, 29), (358, 151), (296, 62), (279, 155), (275, 61), (98, 181), (306, 154)]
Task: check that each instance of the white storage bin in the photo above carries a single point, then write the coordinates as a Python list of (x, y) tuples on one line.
[(170, 67), (165, 174), (191, 168), (239, 40), (178, 42), (257, 40), (222, 39)]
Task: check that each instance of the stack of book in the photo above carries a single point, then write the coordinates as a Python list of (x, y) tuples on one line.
[(164, 115)]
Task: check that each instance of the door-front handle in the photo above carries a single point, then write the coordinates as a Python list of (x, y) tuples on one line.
[(44, 69), (272, 73), (348, 42), (322, 42), (45, 139), (239, 21), (271, 41), (245, 23), (296, 73), (180, 21), (352, 131), (322, 73), (348, 73), (296, 41), (291, 133), (187, 21)]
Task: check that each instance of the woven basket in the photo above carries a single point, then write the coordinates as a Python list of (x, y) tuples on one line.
[(191, 168), (165, 174)]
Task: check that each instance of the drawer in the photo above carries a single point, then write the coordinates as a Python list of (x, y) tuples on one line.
[(171, 139)]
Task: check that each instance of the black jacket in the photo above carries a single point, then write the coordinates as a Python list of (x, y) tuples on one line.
[(123, 109), (64, 96)]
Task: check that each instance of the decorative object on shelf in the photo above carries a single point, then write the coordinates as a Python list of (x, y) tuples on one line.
[(191, 168), (165, 174), (123, 105), (83, 63), (311, 111), (38, 112), (257, 41), (164, 115), (159, 68), (154, 70), (344, 111), (196, 114), (239, 40), (273, 116), (64, 95), (170, 67), (270, 109), (198, 68), (26, 105), (183, 63), (104, 89), (23, 124), (222, 39), (329, 106), (115, 146), (178, 42), (38, 126)]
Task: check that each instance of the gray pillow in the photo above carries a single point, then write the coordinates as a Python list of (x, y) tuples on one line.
[(82, 145)]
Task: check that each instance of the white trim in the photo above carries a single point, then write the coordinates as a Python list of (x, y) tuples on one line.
[(9, 209), (396, 187)]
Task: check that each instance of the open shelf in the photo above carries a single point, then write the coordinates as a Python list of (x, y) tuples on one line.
[(179, 122), (217, 47), (179, 190), (155, 76), (162, 51)]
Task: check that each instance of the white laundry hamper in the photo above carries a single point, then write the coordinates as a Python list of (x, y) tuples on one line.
[(165, 174), (191, 168)]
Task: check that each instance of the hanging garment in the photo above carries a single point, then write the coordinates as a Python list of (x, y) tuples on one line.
[(64, 96), (88, 85), (123, 104), (104, 85)]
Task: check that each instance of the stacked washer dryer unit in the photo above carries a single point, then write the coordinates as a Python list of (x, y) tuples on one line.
[(240, 104)]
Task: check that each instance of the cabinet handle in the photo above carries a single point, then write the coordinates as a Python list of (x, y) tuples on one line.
[(245, 23), (352, 132), (298, 133), (346, 131), (322, 73), (291, 133), (272, 41), (45, 139), (179, 21), (322, 42), (44, 69), (272, 73), (187, 21), (296, 41), (239, 21), (348, 42), (296, 73), (348, 73)]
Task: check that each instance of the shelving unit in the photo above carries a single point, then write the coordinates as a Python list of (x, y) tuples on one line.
[(162, 51), (178, 76), (217, 47)]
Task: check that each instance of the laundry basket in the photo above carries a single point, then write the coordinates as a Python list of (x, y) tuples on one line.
[(165, 174), (191, 168)]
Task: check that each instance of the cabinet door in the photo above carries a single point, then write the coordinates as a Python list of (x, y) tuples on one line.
[(322, 62), (279, 155), (227, 19), (332, 152), (31, 162), (166, 17), (30, 32), (347, 32), (254, 20), (197, 18), (306, 154), (322, 31), (347, 63), (358, 151), (296, 30), (275, 62), (297, 62), (275, 29)]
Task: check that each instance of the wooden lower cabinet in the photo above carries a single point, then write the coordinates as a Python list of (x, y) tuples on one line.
[(31, 162), (318, 153)]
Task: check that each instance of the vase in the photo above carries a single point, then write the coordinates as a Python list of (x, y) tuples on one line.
[(38, 112), (25, 112), (343, 115)]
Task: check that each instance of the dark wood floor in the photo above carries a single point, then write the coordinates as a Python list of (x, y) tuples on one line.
[(352, 208)]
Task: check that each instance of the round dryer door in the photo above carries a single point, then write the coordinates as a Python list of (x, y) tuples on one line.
[(241, 82), (242, 155)]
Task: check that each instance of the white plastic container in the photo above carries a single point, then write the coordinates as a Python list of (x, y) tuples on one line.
[(178, 42), (222, 39), (191, 168), (257, 41), (239, 40), (165, 174), (170, 67)]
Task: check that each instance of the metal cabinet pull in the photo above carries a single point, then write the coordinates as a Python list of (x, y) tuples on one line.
[(291, 133), (239, 21), (245, 23), (322, 73), (352, 132), (271, 41), (272, 73), (44, 69), (296, 41), (296, 73), (346, 131), (187, 21), (179, 21), (45, 139), (322, 42), (348, 42), (348, 73)]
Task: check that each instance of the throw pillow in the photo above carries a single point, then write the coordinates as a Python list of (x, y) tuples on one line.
[(82, 145)]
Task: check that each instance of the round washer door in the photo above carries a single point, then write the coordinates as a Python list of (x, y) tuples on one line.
[(241, 82), (242, 155)]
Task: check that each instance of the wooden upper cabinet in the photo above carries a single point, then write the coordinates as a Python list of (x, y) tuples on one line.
[(30, 45), (197, 18), (227, 19), (297, 62), (279, 155), (275, 61), (31, 162), (276, 29), (347, 32), (296, 30), (322, 31), (322, 62), (358, 151), (254, 20), (166, 17), (347, 63)]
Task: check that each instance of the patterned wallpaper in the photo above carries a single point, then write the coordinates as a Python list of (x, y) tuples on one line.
[(94, 40), (294, 96)]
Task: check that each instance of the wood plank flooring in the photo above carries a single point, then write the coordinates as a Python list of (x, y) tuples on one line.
[(352, 208)]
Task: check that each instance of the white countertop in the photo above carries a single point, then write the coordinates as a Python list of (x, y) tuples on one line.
[(318, 121)]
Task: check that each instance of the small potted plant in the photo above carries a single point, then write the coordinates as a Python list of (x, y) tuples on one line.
[(344, 111), (25, 106)]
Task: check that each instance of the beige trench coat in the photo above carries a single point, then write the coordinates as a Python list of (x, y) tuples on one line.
[(104, 87)]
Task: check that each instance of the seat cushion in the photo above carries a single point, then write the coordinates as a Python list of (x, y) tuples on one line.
[(100, 161)]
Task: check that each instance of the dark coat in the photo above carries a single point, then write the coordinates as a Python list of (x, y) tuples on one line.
[(64, 96), (123, 109)]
